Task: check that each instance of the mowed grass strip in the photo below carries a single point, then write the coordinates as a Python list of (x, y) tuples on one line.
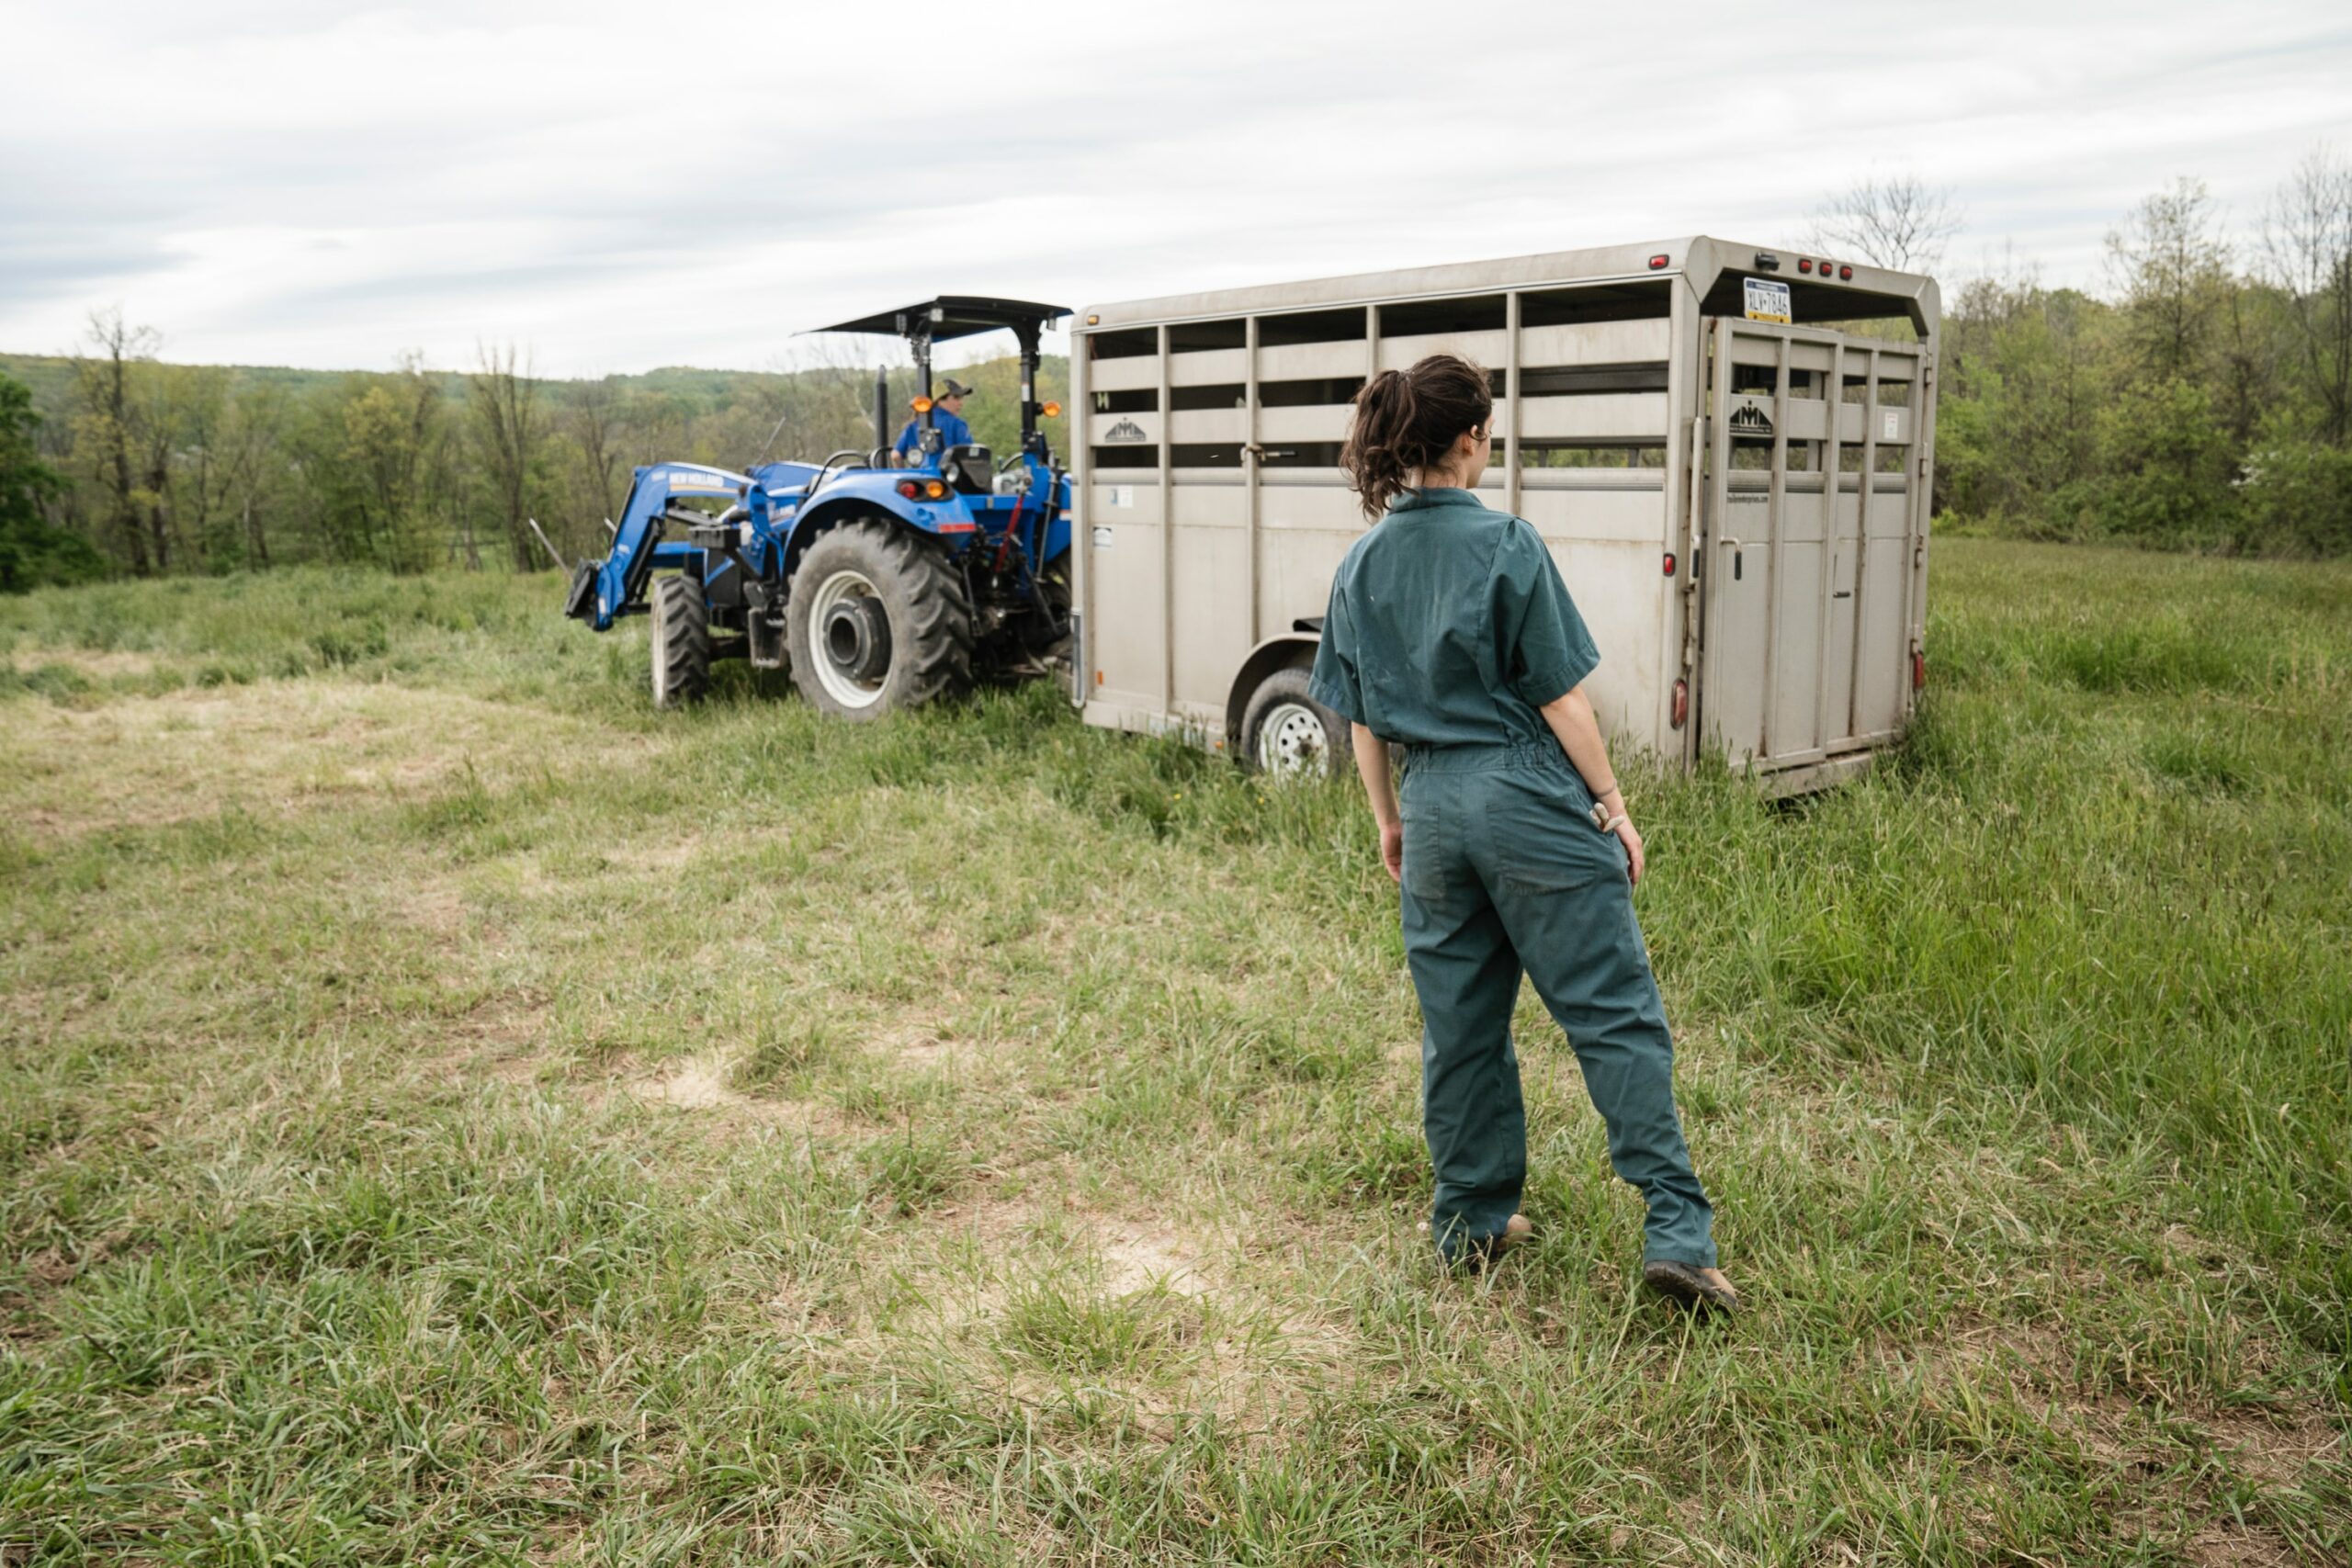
[(450, 1113)]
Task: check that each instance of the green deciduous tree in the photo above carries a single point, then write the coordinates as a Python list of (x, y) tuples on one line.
[(34, 550)]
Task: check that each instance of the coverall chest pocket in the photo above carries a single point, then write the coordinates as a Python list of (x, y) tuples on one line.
[(1544, 841)]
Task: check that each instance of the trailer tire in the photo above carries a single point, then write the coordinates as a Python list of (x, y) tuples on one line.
[(681, 638), (877, 620), (1286, 732)]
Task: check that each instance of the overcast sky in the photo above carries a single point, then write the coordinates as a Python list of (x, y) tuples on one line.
[(620, 188)]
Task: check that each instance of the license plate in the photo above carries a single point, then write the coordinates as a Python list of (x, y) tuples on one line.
[(1767, 299)]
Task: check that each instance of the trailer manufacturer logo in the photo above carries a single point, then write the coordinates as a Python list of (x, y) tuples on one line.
[(1749, 419), (1126, 430), (1765, 299)]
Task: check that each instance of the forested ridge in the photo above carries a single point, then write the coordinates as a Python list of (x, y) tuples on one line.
[(2201, 398), (143, 467)]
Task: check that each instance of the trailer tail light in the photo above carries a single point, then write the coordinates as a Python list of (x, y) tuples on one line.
[(1918, 670), (1682, 703), (1669, 563), (1845, 272), (1805, 263), (1657, 262)]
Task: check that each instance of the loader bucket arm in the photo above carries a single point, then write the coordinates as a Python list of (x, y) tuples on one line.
[(603, 591)]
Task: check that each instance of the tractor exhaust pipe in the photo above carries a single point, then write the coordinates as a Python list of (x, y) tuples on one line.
[(881, 407)]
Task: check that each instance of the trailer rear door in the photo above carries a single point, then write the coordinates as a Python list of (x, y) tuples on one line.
[(1813, 541)]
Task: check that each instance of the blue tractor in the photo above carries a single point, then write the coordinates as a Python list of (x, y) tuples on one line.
[(880, 582)]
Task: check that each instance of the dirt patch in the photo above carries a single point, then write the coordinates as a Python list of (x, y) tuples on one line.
[(1146, 1258), (655, 854), (700, 1087)]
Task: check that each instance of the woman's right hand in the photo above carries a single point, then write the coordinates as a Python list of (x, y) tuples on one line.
[(1392, 848), (1631, 838)]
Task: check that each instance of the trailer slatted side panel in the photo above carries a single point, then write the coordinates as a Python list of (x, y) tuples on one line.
[(1213, 510)]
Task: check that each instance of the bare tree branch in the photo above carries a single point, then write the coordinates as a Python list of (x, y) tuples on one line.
[(1899, 221)]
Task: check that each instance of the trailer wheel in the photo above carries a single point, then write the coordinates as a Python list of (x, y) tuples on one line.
[(877, 621), (681, 642), (1287, 733)]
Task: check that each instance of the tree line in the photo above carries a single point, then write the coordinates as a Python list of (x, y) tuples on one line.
[(113, 461), (2200, 399)]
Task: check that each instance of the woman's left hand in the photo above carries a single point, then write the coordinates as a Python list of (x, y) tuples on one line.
[(1392, 850)]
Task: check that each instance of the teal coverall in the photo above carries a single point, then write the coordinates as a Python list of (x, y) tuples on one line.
[(1448, 628)]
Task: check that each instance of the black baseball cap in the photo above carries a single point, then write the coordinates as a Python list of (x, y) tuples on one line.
[(955, 389)]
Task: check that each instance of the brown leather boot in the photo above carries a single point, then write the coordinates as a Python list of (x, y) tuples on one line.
[(1701, 1289)]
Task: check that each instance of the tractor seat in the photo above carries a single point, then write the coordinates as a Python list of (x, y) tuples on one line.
[(971, 469)]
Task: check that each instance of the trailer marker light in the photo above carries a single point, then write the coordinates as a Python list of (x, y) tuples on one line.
[(907, 488), (1682, 703), (1845, 272), (1098, 676), (1805, 263), (1657, 262), (1093, 321), (1918, 670), (1669, 563), (1053, 411)]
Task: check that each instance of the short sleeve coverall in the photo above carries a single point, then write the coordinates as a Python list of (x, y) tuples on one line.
[(1448, 628)]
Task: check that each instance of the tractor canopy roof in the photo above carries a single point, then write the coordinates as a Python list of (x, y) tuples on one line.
[(953, 316)]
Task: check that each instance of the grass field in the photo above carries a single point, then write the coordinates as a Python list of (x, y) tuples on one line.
[(450, 1114)]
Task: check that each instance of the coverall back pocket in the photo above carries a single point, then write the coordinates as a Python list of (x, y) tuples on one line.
[(1544, 841)]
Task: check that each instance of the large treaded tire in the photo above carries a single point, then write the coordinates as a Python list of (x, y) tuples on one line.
[(928, 652), (1287, 733), (681, 637)]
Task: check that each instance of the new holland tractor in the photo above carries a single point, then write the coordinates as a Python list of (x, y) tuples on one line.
[(879, 584)]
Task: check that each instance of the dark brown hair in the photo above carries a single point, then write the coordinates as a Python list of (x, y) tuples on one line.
[(1408, 419)]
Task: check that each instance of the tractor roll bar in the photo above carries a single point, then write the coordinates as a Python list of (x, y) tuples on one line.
[(952, 316)]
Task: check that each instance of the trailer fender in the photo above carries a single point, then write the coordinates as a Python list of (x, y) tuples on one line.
[(1292, 649)]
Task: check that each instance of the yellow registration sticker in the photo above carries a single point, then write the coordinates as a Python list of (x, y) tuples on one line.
[(1767, 299)]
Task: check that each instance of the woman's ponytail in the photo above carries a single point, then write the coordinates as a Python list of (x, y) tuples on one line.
[(1405, 420)]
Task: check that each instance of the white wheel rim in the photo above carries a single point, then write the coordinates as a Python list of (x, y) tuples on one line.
[(1290, 741), (844, 688)]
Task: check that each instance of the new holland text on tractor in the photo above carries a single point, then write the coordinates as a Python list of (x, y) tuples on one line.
[(879, 586)]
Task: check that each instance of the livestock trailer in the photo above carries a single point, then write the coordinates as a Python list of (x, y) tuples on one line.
[(1728, 450)]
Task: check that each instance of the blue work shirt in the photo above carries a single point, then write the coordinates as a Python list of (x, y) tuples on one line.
[(952, 432), (1449, 625)]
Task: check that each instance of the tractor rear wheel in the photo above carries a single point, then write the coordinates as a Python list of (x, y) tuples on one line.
[(681, 642), (877, 620)]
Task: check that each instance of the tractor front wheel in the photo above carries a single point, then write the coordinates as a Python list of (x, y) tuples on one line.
[(879, 620), (681, 642)]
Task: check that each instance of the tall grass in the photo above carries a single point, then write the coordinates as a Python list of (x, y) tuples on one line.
[(452, 1113)]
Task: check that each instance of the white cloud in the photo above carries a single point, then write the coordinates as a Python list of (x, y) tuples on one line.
[(623, 186)]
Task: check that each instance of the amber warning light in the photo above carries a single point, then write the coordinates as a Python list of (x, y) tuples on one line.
[(923, 405), (1053, 411)]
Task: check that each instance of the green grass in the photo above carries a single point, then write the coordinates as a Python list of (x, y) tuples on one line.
[(450, 1114)]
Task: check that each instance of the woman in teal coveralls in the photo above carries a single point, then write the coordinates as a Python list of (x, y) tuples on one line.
[(1451, 633)]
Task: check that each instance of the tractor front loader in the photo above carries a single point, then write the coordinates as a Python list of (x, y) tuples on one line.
[(879, 586)]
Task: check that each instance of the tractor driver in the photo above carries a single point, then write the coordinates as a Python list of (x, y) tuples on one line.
[(946, 414)]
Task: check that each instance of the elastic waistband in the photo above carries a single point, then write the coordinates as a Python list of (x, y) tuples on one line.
[(1478, 759)]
